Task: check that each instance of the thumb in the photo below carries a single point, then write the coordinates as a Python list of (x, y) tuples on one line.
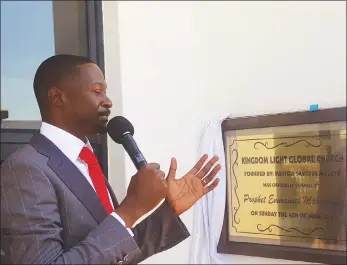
[(172, 170)]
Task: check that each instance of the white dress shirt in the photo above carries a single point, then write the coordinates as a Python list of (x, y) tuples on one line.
[(72, 146)]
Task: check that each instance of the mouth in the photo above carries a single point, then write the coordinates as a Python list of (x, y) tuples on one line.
[(103, 118), (104, 115)]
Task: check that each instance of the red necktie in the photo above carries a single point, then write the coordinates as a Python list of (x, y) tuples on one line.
[(97, 177)]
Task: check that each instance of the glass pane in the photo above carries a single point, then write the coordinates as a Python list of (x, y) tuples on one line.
[(27, 38), (32, 31)]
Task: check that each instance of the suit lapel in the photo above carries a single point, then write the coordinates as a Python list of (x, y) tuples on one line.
[(71, 176)]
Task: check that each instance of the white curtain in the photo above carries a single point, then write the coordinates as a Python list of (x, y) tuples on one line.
[(209, 211)]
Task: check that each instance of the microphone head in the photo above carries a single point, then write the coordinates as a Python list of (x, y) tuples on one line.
[(117, 127)]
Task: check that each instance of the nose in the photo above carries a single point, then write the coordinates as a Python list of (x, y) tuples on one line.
[(107, 103)]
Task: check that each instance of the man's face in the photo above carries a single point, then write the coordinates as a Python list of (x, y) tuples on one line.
[(87, 105)]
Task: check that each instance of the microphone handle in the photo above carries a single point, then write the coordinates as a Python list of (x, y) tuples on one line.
[(133, 151)]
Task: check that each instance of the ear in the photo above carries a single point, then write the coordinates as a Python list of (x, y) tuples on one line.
[(56, 97)]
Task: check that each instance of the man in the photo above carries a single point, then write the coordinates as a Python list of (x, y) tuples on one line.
[(56, 205)]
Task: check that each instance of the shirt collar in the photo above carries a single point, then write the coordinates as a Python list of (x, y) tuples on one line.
[(69, 144)]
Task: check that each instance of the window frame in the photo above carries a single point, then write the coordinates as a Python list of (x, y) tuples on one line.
[(95, 34), (11, 130)]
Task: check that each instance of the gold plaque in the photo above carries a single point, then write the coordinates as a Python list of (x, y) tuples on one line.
[(286, 185)]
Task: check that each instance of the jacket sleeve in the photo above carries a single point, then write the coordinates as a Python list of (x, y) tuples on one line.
[(159, 231), (31, 225)]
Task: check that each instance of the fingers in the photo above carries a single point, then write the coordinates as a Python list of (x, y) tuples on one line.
[(207, 167), (198, 165), (212, 186), (173, 168), (212, 174), (154, 165), (156, 168), (161, 174)]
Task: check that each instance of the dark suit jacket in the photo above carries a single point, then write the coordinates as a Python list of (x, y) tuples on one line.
[(51, 215)]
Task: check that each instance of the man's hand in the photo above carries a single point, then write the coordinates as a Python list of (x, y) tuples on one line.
[(186, 191), (146, 189)]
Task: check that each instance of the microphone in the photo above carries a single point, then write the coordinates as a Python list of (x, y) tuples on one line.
[(121, 131)]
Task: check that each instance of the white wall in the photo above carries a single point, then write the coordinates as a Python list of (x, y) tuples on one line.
[(172, 67)]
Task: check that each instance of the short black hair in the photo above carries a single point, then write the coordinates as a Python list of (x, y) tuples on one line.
[(52, 72)]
